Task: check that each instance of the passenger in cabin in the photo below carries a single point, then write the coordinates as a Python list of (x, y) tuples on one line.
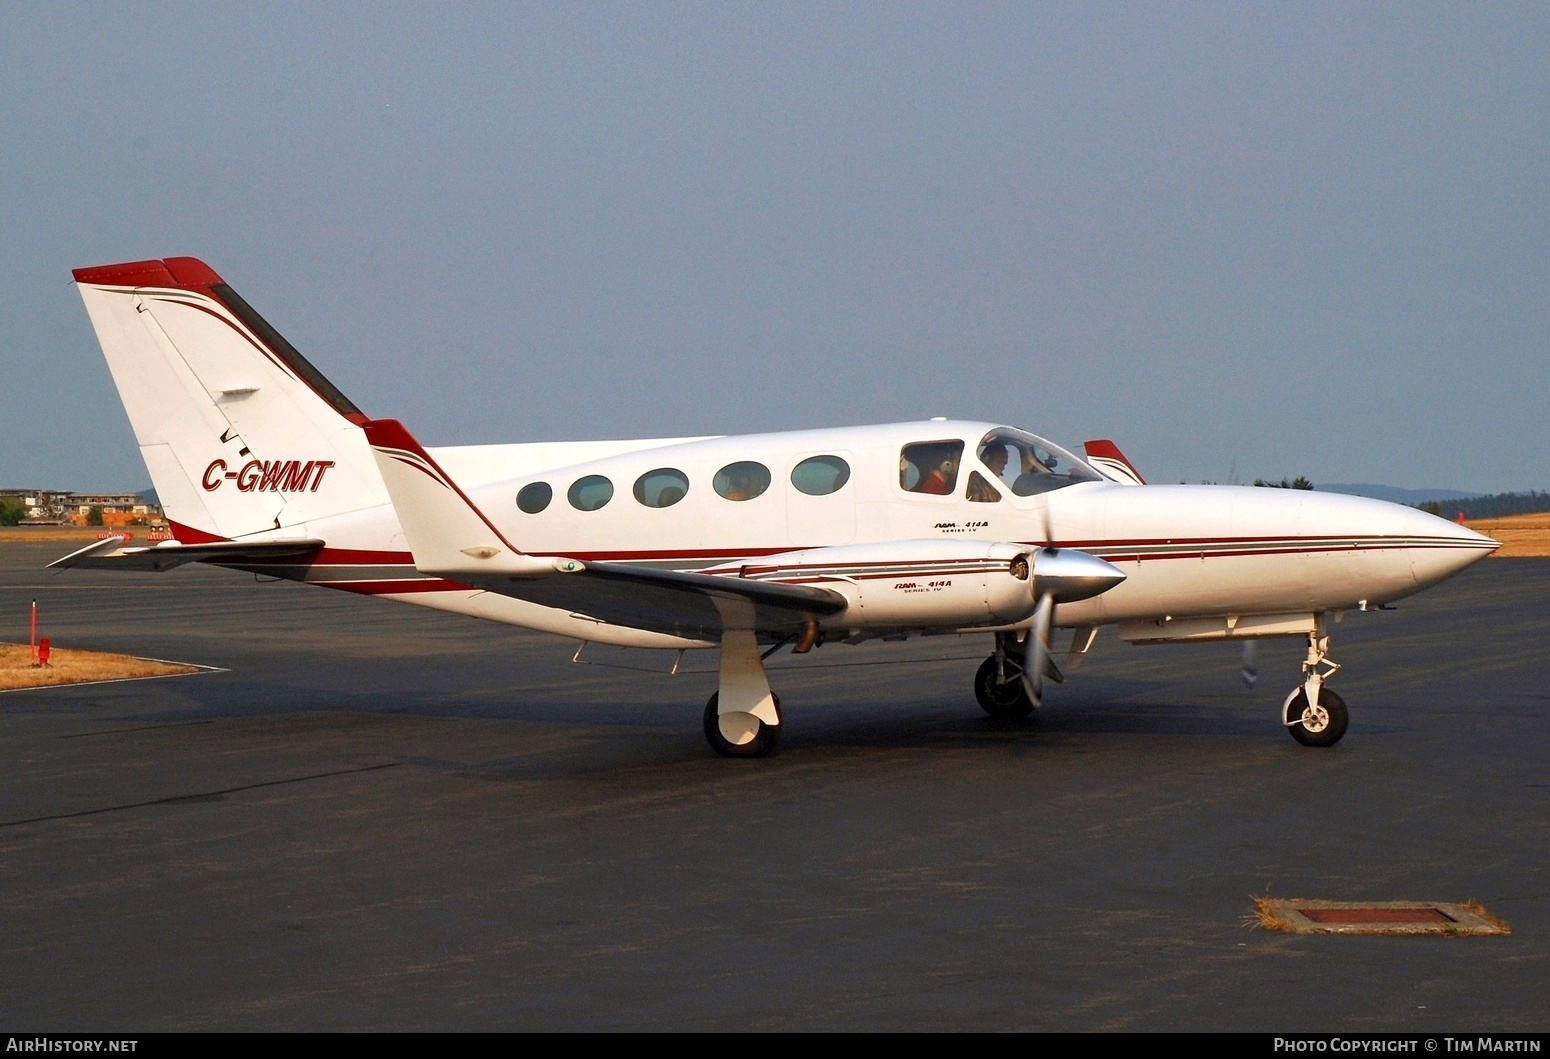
[(741, 482), (1038, 474), (940, 481), (930, 467)]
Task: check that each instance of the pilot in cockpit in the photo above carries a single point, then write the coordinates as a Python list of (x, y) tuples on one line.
[(992, 456)]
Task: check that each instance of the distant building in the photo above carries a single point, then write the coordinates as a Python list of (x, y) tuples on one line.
[(56, 506)]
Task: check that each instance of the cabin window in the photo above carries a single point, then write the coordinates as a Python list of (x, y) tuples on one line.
[(662, 487), (742, 481), (820, 475), (1028, 465), (590, 493), (981, 491), (930, 467), (535, 497)]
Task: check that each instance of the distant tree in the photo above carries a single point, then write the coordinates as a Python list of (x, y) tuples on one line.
[(12, 512), (1301, 483), (1499, 505), (1296, 483), (94, 515)]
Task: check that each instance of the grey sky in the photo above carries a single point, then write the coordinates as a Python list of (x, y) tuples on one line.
[(1304, 239)]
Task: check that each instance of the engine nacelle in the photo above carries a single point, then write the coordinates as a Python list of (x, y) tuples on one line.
[(919, 584)]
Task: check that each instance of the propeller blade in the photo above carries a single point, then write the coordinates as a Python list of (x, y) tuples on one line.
[(1036, 657), (1250, 671)]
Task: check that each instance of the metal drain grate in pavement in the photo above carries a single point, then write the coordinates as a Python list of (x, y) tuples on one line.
[(1308, 916)]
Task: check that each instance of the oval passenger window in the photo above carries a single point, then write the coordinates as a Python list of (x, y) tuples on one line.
[(590, 493), (741, 481), (662, 487), (820, 475), (535, 497)]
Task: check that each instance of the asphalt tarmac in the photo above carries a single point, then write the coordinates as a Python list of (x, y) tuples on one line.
[(387, 818)]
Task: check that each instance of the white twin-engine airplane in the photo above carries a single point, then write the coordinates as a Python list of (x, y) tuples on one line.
[(744, 543)]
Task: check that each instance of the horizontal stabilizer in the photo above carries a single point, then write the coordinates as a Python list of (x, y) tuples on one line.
[(110, 554)]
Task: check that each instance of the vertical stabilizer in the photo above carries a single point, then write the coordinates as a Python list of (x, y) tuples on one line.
[(239, 432), (1105, 458)]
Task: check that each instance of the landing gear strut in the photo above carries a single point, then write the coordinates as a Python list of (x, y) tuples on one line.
[(999, 683), (1313, 714), (743, 718)]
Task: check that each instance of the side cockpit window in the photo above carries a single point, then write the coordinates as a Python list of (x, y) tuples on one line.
[(981, 491), (1028, 465), (930, 467)]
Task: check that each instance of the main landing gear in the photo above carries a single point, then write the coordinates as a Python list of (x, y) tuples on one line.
[(739, 734), (1313, 714), (743, 718), (999, 685)]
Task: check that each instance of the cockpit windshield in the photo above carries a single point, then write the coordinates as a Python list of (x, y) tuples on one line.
[(1030, 465)]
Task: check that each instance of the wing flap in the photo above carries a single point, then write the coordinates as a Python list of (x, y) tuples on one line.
[(699, 606)]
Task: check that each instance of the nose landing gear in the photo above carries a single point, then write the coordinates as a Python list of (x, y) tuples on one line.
[(1320, 725), (1313, 714), (999, 685)]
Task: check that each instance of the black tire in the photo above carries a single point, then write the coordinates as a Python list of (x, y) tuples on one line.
[(1004, 702), (762, 743), (1328, 724)]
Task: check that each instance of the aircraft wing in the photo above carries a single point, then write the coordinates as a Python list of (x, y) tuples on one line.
[(111, 554), (696, 606), (451, 537)]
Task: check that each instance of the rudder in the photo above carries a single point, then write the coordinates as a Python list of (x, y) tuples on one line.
[(239, 432)]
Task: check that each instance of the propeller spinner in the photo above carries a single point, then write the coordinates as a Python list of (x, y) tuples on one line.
[(1060, 575)]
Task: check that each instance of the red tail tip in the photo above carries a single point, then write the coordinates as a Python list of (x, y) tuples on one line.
[(186, 273)]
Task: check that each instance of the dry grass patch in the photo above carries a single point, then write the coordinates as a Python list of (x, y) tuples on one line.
[(69, 666), (1521, 535)]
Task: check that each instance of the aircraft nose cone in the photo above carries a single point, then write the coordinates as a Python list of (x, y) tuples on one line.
[(1441, 548), (1071, 575)]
